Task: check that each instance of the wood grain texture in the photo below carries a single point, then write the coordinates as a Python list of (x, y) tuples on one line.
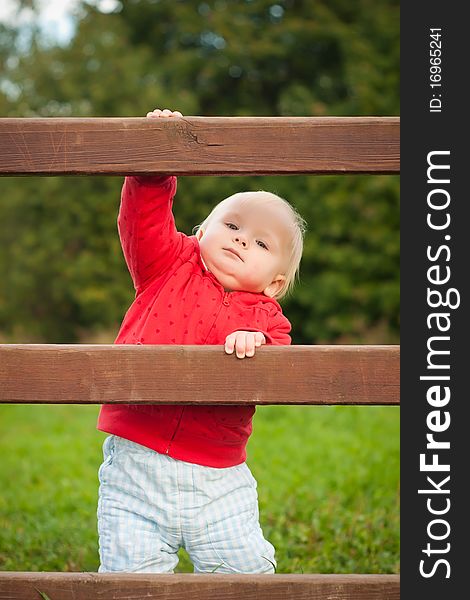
[(199, 145), (96, 374), (124, 586)]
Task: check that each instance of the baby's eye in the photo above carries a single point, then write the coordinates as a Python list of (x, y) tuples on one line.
[(262, 244), (231, 225)]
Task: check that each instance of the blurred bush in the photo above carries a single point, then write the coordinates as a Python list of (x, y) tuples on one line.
[(62, 273)]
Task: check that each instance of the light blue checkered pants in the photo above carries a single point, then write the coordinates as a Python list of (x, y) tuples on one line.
[(150, 505)]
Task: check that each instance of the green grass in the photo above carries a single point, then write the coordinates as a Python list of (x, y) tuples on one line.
[(328, 481)]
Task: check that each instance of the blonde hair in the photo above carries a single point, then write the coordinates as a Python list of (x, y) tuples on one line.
[(298, 229)]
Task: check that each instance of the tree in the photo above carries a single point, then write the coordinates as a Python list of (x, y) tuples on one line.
[(62, 268)]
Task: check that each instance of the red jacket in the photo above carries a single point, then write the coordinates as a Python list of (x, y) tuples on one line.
[(179, 302)]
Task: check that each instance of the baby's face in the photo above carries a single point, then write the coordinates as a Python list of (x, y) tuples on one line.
[(244, 245)]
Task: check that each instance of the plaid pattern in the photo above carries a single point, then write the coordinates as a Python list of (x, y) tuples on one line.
[(150, 505)]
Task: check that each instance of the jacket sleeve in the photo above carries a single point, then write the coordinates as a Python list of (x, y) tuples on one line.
[(149, 239), (277, 333), (278, 330)]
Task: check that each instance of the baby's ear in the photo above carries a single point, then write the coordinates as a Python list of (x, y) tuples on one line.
[(199, 234), (274, 287)]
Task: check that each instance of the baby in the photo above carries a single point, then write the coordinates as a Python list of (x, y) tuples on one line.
[(175, 475)]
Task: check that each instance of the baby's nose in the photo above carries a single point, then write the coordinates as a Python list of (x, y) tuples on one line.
[(239, 240)]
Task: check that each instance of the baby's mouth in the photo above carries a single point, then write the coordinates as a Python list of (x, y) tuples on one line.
[(232, 251)]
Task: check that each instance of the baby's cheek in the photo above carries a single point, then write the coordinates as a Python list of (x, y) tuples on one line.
[(253, 281), (261, 272)]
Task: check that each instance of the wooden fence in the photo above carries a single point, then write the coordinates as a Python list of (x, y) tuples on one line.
[(199, 146), (49, 373)]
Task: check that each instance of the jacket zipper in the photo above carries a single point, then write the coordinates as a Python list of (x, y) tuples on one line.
[(225, 302), (175, 431)]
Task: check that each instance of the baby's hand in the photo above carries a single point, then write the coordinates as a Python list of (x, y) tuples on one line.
[(244, 342), (154, 114)]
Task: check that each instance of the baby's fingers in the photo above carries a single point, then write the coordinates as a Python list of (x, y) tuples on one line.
[(242, 344), (164, 113), (259, 339), (230, 343), (236, 341), (254, 340)]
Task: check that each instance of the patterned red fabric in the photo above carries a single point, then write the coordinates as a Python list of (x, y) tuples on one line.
[(178, 301)]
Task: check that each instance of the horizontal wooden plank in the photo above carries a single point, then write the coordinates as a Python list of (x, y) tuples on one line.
[(199, 145), (127, 586), (65, 374)]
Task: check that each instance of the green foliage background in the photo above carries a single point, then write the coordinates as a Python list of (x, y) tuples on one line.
[(327, 502), (327, 484), (63, 277)]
